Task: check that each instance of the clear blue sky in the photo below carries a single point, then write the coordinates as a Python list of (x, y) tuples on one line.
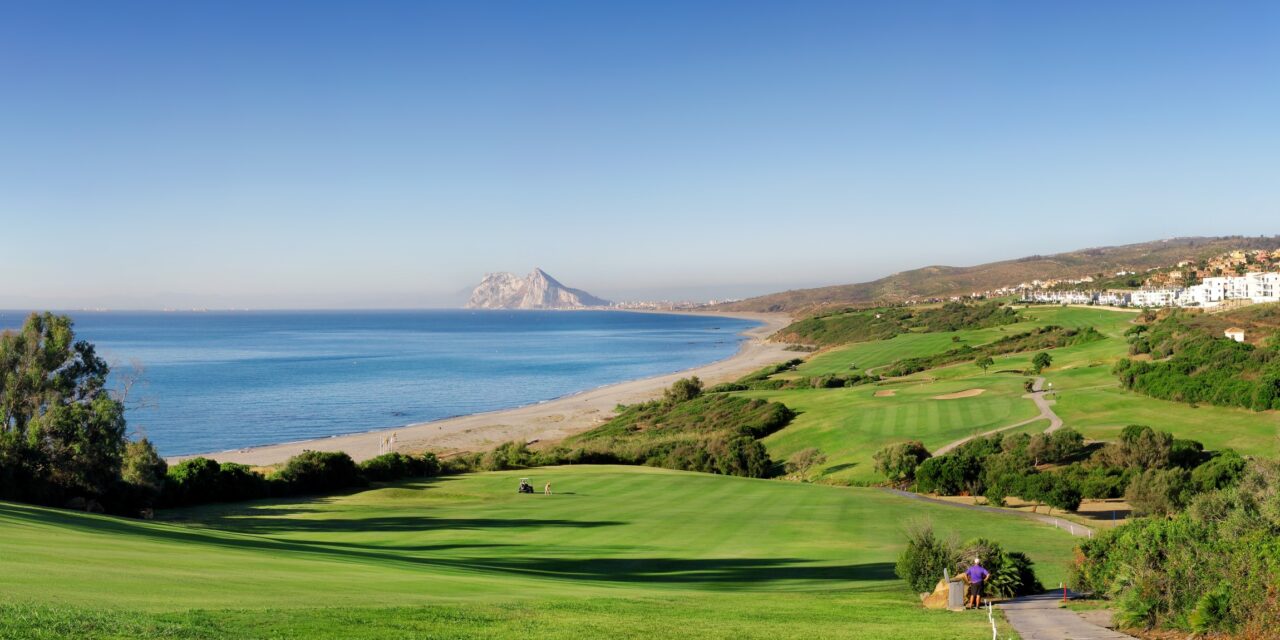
[(384, 154)]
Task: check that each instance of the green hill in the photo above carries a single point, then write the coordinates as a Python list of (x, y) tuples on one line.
[(849, 425), (622, 552), (944, 281)]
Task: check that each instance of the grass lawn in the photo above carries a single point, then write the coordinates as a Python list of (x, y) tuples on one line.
[(849, 425), (619, 552)]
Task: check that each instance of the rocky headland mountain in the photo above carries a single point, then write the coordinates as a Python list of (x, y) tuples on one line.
[(538, 290)]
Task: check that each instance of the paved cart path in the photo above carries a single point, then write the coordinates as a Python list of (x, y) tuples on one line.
[(1039, 618)]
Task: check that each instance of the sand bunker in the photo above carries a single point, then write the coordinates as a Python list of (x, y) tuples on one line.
[(886, 393), (960, 394)]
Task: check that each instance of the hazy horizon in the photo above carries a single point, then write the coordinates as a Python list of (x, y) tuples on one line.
[(388, 154)]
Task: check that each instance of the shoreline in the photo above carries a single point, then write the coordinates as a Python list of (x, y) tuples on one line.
[(542, 421)]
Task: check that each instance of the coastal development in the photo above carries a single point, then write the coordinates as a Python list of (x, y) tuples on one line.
[(1212, 292)]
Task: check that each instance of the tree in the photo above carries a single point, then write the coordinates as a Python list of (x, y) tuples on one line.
[(899, 461), (1140, 447), (1159, 491), (143, 467), (985, 362), (683, 390), (803, 460), (61, 431), (1041, 361)]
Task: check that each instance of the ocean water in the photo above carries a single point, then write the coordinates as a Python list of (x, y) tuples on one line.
[(226, 380)]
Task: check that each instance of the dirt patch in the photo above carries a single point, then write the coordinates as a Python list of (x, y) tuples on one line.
[(960, 394), (886, 393)]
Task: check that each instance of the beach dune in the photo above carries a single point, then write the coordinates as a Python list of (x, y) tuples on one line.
[(545, 422)]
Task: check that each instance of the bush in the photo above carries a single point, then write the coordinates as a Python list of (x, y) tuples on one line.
[(898, 462), (1212, 569), (193, 481), (683, 390), (142, 467), (510, 455), (1220, 472), (313, 472), (1012, 573), (926, 557)]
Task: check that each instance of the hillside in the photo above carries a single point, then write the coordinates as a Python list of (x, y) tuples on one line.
[(944, 281)]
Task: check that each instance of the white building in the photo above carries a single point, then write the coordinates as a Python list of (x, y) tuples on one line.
[(1235, 334), (1154, 297), (1264, 287)]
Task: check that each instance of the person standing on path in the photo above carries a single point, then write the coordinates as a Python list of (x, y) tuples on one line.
[(976, 576)]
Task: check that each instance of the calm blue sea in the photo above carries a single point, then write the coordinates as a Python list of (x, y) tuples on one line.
[(225, 380)]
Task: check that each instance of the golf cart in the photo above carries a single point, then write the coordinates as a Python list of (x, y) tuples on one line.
[(525, 486)]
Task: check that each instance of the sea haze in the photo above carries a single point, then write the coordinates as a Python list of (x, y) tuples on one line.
[(226, 380)]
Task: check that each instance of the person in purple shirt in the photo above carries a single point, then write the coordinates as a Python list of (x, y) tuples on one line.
[(976, 576)]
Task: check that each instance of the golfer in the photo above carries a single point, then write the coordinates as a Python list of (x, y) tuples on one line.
[(547, 490), (976, 576)]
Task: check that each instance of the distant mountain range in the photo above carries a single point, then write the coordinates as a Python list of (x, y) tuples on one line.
[(538, 290), (943, 281)]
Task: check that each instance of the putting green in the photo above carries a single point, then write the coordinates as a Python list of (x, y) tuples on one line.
[(617, 552)]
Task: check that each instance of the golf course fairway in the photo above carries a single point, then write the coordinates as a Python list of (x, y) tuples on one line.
[(621, 552)]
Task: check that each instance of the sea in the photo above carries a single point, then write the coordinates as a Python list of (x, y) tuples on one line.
[(213, 381)]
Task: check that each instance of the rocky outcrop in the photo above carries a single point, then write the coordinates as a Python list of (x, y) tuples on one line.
[(536, 291)]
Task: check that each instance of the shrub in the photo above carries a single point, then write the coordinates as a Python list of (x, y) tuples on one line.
[(320, 472), (193, 481), (142, 467), (922, 563), (510, 455), (1012, 573), (898, 462), (683, 390), (1220, 472)]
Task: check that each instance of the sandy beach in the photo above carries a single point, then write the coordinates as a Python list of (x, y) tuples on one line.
[(546, 422)]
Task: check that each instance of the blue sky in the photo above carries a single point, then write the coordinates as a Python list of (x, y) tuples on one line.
[(384, 154)]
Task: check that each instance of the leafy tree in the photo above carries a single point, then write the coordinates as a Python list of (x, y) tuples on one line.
[(1140, 447), (143, 467), (899, 461), (1159, 491), (985, 362), (61, 433), (1041, 361), (801, 461)]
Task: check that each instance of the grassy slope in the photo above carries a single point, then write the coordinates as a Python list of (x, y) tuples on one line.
[(620, 552), (849, 425)]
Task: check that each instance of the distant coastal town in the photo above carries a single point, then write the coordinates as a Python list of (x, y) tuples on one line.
[(1230, 280)]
